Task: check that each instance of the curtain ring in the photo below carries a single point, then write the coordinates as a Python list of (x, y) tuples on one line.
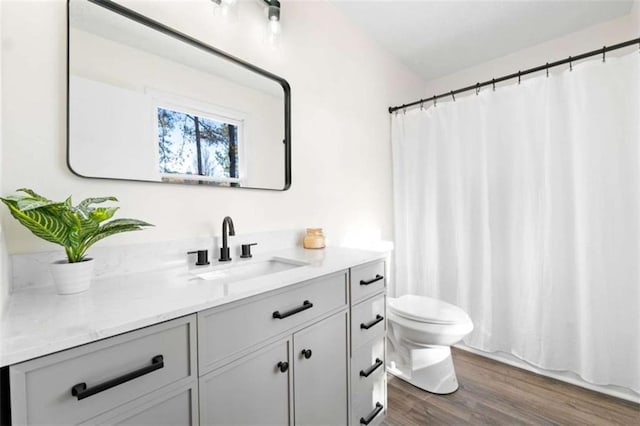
[(518, 76), (421, 104), (604, 51), (453, 96), (570, 64), (435, 101), (493, 82), (477, 88)]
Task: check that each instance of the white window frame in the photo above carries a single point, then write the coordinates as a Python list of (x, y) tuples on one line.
[(159, 99)]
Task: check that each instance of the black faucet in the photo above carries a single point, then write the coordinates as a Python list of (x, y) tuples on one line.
[(227, 225)]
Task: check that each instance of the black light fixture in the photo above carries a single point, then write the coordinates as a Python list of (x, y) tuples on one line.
[(273, 13), (272, 10)]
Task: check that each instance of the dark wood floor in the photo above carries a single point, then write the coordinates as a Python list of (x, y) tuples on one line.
[(492, 393)]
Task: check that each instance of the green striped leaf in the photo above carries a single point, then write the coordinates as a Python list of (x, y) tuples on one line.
[(105, 231), (85, 205), (35, 201), (30, 192), (39, 222), (101, 214), (121, 222)]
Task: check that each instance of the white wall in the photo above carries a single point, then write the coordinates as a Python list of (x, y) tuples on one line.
[(4, 261), (607, 33), (342, 84)]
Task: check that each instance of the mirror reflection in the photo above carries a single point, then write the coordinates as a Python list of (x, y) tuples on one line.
[(146, 103)]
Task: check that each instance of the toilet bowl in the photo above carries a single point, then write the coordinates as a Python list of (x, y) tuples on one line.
[(421, 331)]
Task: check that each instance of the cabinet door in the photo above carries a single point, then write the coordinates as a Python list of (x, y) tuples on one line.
[(253, 390), (320, 372)]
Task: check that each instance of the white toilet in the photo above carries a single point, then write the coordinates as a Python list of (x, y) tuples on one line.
[(421, 332)]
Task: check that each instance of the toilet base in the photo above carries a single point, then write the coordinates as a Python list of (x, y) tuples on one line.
[(428, 368)]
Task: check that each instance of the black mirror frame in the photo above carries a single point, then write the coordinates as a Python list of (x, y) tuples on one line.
[(141, 19)]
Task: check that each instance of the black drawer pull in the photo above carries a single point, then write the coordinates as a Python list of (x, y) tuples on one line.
[(372, 280), (305, 305), (372, 323), (371, 415), (306, 353), (81, 391), (374, 367), (283, 366)]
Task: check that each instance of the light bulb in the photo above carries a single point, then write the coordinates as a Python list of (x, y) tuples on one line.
[(274, 26)]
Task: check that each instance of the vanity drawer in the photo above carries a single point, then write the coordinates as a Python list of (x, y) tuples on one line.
[(227, 331), (370, 402), (169, 406), (114, 371), (367, 365), (367, 321), (367, 280)]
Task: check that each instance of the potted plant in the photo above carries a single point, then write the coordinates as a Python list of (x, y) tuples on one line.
[(76, 228)]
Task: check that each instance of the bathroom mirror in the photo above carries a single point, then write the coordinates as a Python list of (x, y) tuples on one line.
[(148, 103)]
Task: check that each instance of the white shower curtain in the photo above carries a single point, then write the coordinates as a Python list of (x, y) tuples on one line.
[(522, 206)]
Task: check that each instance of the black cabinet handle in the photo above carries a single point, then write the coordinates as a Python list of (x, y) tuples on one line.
[(378, 277), (372, 323), (283, 366), (81, 391), (372, 415), (374, 367), (306, 353), (305, 305)]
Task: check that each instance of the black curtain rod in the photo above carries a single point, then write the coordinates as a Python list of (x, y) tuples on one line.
[(519, 74)]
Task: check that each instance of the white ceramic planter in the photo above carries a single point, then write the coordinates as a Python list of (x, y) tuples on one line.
[(72, 278)]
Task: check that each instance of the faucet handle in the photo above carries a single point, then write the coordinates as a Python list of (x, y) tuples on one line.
[(246, 250), (203, 257)]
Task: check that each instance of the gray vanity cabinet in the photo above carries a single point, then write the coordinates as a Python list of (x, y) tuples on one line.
[(311, 353)]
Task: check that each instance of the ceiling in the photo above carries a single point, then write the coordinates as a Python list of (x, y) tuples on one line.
[(437, 38)]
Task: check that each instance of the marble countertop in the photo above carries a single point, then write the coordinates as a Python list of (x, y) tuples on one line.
[(38, 322)]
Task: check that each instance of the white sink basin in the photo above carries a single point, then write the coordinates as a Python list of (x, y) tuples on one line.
[(244, 270)]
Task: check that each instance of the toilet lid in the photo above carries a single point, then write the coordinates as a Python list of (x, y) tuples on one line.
[(426, 309)]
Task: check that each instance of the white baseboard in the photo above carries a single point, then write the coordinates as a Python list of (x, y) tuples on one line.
[(564, 376)]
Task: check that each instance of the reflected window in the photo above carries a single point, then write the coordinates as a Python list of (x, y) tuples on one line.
[(197, 147)]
